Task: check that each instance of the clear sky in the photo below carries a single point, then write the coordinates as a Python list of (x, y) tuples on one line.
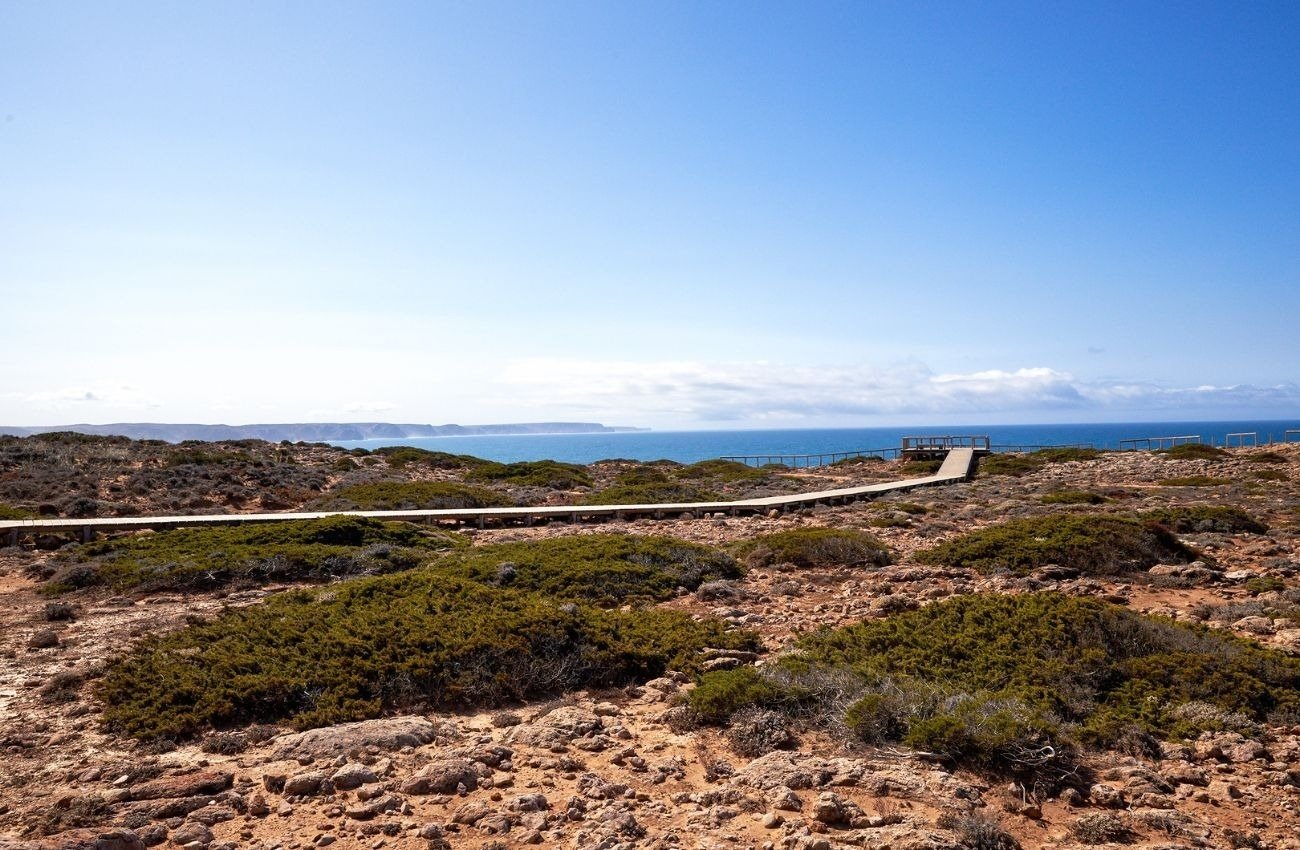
[(735, 214)]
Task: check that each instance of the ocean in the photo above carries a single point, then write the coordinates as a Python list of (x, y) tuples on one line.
[(690, 446)]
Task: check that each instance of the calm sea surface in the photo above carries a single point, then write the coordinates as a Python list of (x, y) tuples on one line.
[(690, 446)]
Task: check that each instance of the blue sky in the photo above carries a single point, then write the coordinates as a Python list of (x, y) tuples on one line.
[(663, 214)]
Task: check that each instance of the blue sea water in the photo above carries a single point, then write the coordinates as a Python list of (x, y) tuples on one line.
[(690, 446)]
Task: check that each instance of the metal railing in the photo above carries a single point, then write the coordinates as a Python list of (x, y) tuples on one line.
[(1022, 448), (809, 461), (1289, 433), (936, 443), (1150, 443), (1241, 438)]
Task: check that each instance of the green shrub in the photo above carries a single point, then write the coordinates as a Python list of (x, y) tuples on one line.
[(649, 485), (727, 471), (1072, 497), (206, 558), (200, 455), (816, 547), (1035, 657), (412, 495), (1264, 584), (1193, 481), (724, 693), (666, 493), (399, 457), (1022, 464), (919, 468), (540, 473), (1269, 475), (1202, 518), (7, 512), (1194, 451), (1093, 544), (407, 641), (601, 568), (1265, 457)]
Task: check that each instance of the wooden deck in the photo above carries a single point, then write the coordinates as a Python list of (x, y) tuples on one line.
[(957, 466)]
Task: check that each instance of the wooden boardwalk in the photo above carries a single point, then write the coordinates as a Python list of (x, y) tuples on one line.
[(957, 466)]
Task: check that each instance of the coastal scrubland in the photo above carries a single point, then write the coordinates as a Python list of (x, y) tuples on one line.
[(1068, 649)]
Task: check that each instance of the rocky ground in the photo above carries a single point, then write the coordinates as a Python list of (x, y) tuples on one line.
[(611, 769)]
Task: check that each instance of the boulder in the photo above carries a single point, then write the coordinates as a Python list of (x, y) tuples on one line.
[(557, 728), (187, 785), (385, 733), (353, 775), (444, 776)]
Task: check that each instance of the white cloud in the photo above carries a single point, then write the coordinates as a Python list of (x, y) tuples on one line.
[(758, 392), (88, 398)]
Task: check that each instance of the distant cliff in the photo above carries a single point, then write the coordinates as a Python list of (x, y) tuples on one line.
[(312, 431)]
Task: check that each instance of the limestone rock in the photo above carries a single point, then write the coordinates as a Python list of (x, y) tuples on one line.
[(188, 785), (444, 776), (386, 733), (353, 775)]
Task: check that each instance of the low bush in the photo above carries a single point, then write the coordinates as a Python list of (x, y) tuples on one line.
[(1093, 544), (756, 732), (727, 471), (412, 495), (606, 569), (666, 492), (1009, 684), (1101, 828), (978, 831), (1223, 519), (1194, 451), (7, 512), (399, 457), (205, 558), (540, 473), (1265, 457), (1072, 497), (919, 468), (1269, 475), (1017, 465), (815, 547), (1193, 481), (202, 454), (725, 693), (407, 641)]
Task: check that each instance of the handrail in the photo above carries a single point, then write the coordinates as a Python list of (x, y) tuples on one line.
[(805, 461), (1158, 442)]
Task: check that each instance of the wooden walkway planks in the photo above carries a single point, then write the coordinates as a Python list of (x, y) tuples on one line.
[(957, 466)]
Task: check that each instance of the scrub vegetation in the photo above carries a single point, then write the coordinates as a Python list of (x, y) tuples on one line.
[(1023, 464), (604, 569), (815, 547), (412, 495), (1015, 685), (193, 559), (483, 628), (1093, 544)]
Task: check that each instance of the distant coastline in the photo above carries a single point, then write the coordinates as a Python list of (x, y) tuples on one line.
[(314, 431)]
